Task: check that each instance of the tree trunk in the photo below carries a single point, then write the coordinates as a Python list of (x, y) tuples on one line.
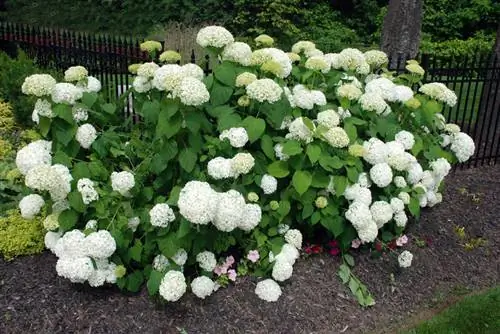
[(401, 31), (487, 129)]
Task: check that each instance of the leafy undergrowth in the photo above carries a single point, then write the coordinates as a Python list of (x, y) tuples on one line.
[(479, 314)]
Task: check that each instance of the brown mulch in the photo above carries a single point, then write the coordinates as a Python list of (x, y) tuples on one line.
[(34, 299)]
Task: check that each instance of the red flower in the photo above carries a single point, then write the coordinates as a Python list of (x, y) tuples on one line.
[(334, 251), (316, 249), (392, 245), (378, 246), (333, 244)]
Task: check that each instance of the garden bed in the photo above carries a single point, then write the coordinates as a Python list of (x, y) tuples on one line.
[(34, 299)]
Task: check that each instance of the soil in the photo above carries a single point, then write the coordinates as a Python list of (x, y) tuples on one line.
[(34, 299)]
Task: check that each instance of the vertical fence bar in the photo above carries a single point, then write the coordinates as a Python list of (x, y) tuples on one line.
[(494, 85)]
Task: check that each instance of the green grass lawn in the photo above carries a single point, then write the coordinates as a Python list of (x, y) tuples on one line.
[(476, 314)]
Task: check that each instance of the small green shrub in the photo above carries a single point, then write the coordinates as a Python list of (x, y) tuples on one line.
[(19, 236), (459, 48)]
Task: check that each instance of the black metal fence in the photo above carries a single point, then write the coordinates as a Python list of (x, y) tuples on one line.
[(476, 80)]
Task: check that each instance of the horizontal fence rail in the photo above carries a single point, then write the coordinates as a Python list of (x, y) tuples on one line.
[(475, 79)]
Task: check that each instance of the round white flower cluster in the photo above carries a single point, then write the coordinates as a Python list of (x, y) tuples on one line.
[(54, 179), (242, 163), (86, 135), (180, 257), (64, 92), (328, 118), (42, 108), (206, 260), (173, 286), (272, 60), (30, 206), (80, 114), (376, 58), (38, 85), (192, 92), (34, 154), (305, 98), (303, 46), (51, 222), (440, 92), (318, 63), (400, 93), (91, 225), (294, 237), (349, 91), (268, 290), (462, 145), (147, 70), (197, 202), (168, 77), (269, 184), (142, 84), (100, 244), (161, 215), (122, 182), (75, 74), (237, 52), (400, 182), (86, 189), (336, 137), (229, 210), (133, 223), (238, 137), (381, 212), (353, 59), (381, 86), (220, 168), (381, 174), (93, 85), (359, 193), (245, 78), (299, 130), (360, 216), (202, 287), (405, 259), (160, 263), (264, 90), (374, 102), (406, 138), (278, 151), (214, 36)]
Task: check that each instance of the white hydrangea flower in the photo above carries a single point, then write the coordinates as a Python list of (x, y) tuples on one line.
[(80, 114), (54, 179), (353, 59), (147, 70), (60, 206), (302, 97), (91, 225), (77, 270), (64, 92), (86, 135), (400, 161), (368, 233), (381, 212), (168, 77), (374, 102), (406, 138), (161, 215), (400, 182), (42, 108), (193, 71), (192, 92), (269, 184), (242, 163), (264, 90), (336, 137), (34, 154), (173, 286), (451, 128), (122, 182), (462, 146), (298, 130), (197, 202), (376, 58), (250, 218), (303, 46), (333, 59), (220, 168), (93, 85), (288, 254), (381, 174), (30, 205), (142, 84), (405, 197), (100, 244), (160, 263), (440, 168), (397, 205), (245, 78), (272, 60), (343, 113), (400, 93), (86, 188), (375, 151), (133, 223), (71, 245), (328, 118), (318, 97), (202, 286), (359, 215), (294, 237), (75, 73), (229, 210), (318, 63), (51, 238), (381, 86), (358, 193), (415, 173), (180, 257), (214, 36), (238, 137), (268, 290), (206, 260), (237, 52), (278, 151), (405, 259), (349, 91), (445, 140), (440, 92), (400, 218), (282, 270), (38, 85)]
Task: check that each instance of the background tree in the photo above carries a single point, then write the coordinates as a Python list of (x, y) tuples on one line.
[(402, 29)]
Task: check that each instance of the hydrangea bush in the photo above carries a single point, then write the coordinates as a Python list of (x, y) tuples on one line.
[(222, 174)]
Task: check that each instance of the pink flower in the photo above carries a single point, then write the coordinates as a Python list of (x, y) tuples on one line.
[(231, 274), (253, 256), (401, 240), (355, 243), (229, 261), (219, 270)]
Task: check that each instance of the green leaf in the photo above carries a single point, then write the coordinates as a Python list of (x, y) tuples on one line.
[(89, 99), (339, 184), (320, 180), (351, 131), (414, 207), (187, 159), (284, 209), (154, 281), (229, 121), (68, 219), (168, 245), (354, 120), (344, 273), (255, 127), (44, 126), (418, 146), (61, 158), (352, 174), (291, 148), (349, 259), (134, 281), (335, 225), (76, 202), (330, 163), (220, 94), (307, 211), (301, 181), (109, 108), (313, 152), (150, 111), (226, 73), (278, 169), (135, 251), (219, 111), (98, 171), (184, 229), (315, 218), (174, 195), (81, 170), (160, 160), (266, 144), (193, 121), (64, 111), (353, 286), (168, 127)]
